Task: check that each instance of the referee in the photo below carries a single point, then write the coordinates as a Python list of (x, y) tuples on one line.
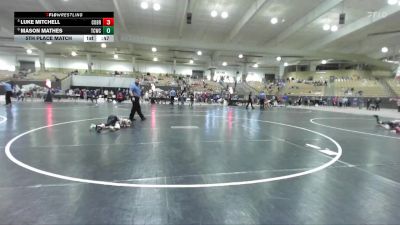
[(135, 93)]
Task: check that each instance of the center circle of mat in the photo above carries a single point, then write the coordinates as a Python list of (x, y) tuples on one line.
[(3, 119), (9, 154)]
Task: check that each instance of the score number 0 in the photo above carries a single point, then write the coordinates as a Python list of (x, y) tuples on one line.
[(108, 26)]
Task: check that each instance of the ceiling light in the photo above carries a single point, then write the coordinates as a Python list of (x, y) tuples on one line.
[(255, 65), (274, 20), (240, 56), (191, 61), (224, 15), (144, 5), (103, 45), (278, 58), (334, 28), (224, 64), (73, 53), (324, 61), (199, 53), (155, 59), (286, 64), (115, 56), (29, 51), (153, 49), (156, 7), (49, 42), (214, 13), (65, 0), (384, 49), (326, 27), (392, 2)]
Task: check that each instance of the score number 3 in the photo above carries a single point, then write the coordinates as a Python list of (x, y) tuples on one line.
[(108, 21), (108, 26)]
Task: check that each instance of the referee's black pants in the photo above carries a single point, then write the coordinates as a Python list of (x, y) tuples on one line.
[(249, 102), (136, 108), (262, 103), (8, 97)]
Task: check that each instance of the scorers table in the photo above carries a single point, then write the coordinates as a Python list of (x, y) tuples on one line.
[(64, 26)]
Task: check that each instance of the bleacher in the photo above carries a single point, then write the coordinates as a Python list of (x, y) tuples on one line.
[(259, 86), (327, 74), (45, 75), (369, 88), (6, 75), (347, 82), (210, 86), (395, 85), (270, 89), (37, 76), (213, 85), (83, 72), (303, 89), (165, 80)]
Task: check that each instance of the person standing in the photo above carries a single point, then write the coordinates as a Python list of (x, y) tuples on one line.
[(135, 93), (105, 94), (8, 89), (250, 101), (172, 95), (360, 102), (191, 99), (377, 104), (285, 99), (183, 98), (398, 104), (262, 98), (70, 94)]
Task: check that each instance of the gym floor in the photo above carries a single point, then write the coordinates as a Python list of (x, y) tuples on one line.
[(201, 165)]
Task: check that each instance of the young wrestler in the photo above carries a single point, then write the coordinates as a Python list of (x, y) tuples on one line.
[(113, 123), (393, 126)]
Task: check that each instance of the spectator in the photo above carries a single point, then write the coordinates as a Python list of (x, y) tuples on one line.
[(8, 89), (368, 104), (191, 99), (262, 98), (172, 95), (398, 104), (378, 103), (105, 94), (250, 101), (182, 98), (120, 97), (360, 103)]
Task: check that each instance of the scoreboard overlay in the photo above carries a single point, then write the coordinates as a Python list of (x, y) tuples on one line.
[(64, 26)]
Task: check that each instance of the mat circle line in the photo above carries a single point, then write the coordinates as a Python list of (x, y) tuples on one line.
[(347, 130), (4, 119), (10, 156)]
